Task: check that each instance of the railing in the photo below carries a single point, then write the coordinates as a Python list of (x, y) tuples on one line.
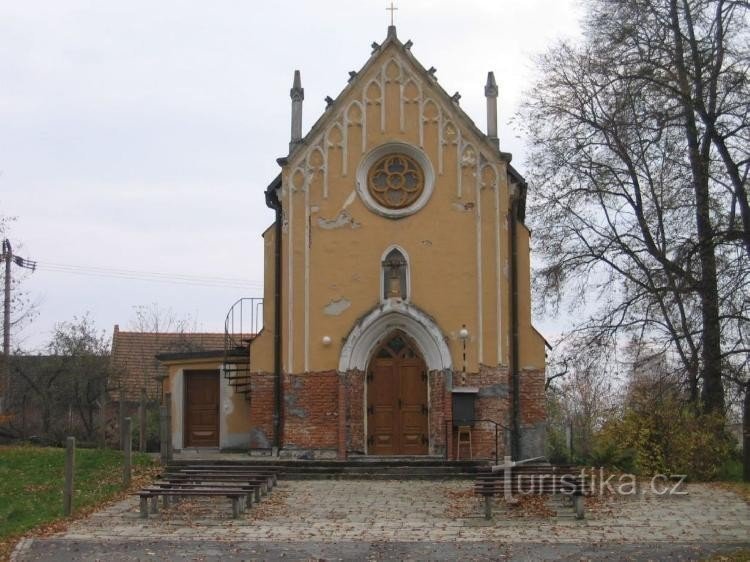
[(243, 322), (497, 425)]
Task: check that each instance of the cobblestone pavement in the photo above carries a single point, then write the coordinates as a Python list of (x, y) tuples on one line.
[(58, 550), (375, 512)]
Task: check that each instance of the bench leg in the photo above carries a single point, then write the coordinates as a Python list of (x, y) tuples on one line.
[(249, 500), (165, 500), (578, 504), (488, 506), (235, 507), (154, 504), (256, 491), (263, 489), (144, 507)]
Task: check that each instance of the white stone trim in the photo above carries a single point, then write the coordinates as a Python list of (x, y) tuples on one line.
[(178, 410), (307, 283), (395, 314), (394, 148), (480, 259), (498, 268), (226, 406)]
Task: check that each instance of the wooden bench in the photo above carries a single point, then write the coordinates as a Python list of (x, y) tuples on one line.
[(261, 485), (237, 495), (269, 475), (532, 480), (270, 479), (240, 483)]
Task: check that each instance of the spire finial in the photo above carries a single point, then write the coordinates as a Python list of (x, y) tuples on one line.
[(391, 9), (297, 93), (490, 88), (491, 92)]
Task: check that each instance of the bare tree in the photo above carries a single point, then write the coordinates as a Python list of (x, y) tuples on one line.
[(639, 156), (63, 386), (583, 385)]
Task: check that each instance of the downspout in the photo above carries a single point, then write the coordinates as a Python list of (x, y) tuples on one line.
[(272, 201), (515, 445)]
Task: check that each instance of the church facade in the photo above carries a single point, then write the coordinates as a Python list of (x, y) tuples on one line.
[(397, 285)]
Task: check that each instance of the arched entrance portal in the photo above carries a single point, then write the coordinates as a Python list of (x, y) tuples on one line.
[(397, 413)]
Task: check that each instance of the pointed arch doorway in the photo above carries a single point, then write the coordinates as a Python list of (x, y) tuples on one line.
[(397, 405)]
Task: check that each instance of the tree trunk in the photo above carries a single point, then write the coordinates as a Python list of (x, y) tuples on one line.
[(698, 156), (746, 434)]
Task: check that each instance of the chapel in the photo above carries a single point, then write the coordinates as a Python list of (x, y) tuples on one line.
[(396, 310)]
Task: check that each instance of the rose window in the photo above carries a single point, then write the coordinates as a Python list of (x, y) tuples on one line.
[(395, 181)]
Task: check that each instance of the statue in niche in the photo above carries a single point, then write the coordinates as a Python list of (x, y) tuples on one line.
[(394, 275)]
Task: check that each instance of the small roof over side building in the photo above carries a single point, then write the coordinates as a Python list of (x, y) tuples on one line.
[(135, 363)]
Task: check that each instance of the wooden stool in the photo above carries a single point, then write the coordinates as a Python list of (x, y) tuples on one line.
[(463, 438)]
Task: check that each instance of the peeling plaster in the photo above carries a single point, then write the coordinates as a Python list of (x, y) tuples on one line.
[(337, 307), (499, 390), (291, 399), (463, 207), (259, 439), (342, 220)]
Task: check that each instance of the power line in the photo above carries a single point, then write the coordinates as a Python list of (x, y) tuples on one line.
[(142, 272), (153, 276)]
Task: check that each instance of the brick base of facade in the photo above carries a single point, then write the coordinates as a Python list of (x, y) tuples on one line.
[(324, 413)]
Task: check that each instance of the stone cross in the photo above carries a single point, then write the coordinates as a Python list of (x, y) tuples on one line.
[(391, 9)]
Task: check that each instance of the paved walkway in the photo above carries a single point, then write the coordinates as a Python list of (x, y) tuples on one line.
[(415, 512)]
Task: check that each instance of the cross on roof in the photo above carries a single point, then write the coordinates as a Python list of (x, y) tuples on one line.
[(391, 9)]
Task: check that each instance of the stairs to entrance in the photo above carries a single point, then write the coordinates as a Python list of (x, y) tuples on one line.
[(358, 468)]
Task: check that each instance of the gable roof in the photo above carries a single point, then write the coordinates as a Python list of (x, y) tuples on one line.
[(405, 49), (134, 357)]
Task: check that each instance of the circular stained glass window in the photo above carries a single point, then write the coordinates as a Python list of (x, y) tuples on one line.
[(395, 181)]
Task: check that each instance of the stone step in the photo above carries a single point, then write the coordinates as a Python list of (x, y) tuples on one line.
[(369, 469), (379, 476), (474, 466)]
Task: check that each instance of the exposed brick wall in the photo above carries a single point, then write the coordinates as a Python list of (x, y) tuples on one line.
[(532, 397), (354, 382), (311, 410), (326, 410), (492, 404), (440, 410), (261, 411)]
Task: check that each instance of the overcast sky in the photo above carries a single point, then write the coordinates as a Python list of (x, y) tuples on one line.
[(140, 135)]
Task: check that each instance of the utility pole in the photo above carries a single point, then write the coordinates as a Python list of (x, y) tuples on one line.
[(8, 257)]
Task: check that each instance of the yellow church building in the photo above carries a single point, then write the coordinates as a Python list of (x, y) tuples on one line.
[(396, 307)]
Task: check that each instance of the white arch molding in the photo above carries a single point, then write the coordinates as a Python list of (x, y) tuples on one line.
[(395, 314)]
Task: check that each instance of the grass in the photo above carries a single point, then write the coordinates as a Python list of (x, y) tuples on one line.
[(31, 484), (742, 555)]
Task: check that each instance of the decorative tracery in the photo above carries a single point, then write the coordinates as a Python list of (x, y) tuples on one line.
[(395, 181)]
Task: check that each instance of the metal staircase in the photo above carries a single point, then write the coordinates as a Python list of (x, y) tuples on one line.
[(243, 322)]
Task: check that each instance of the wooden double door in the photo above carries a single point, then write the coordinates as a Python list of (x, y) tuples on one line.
[(202, 408), (397, 413)]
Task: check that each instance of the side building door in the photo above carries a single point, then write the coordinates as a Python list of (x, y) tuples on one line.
[(202, 408)]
